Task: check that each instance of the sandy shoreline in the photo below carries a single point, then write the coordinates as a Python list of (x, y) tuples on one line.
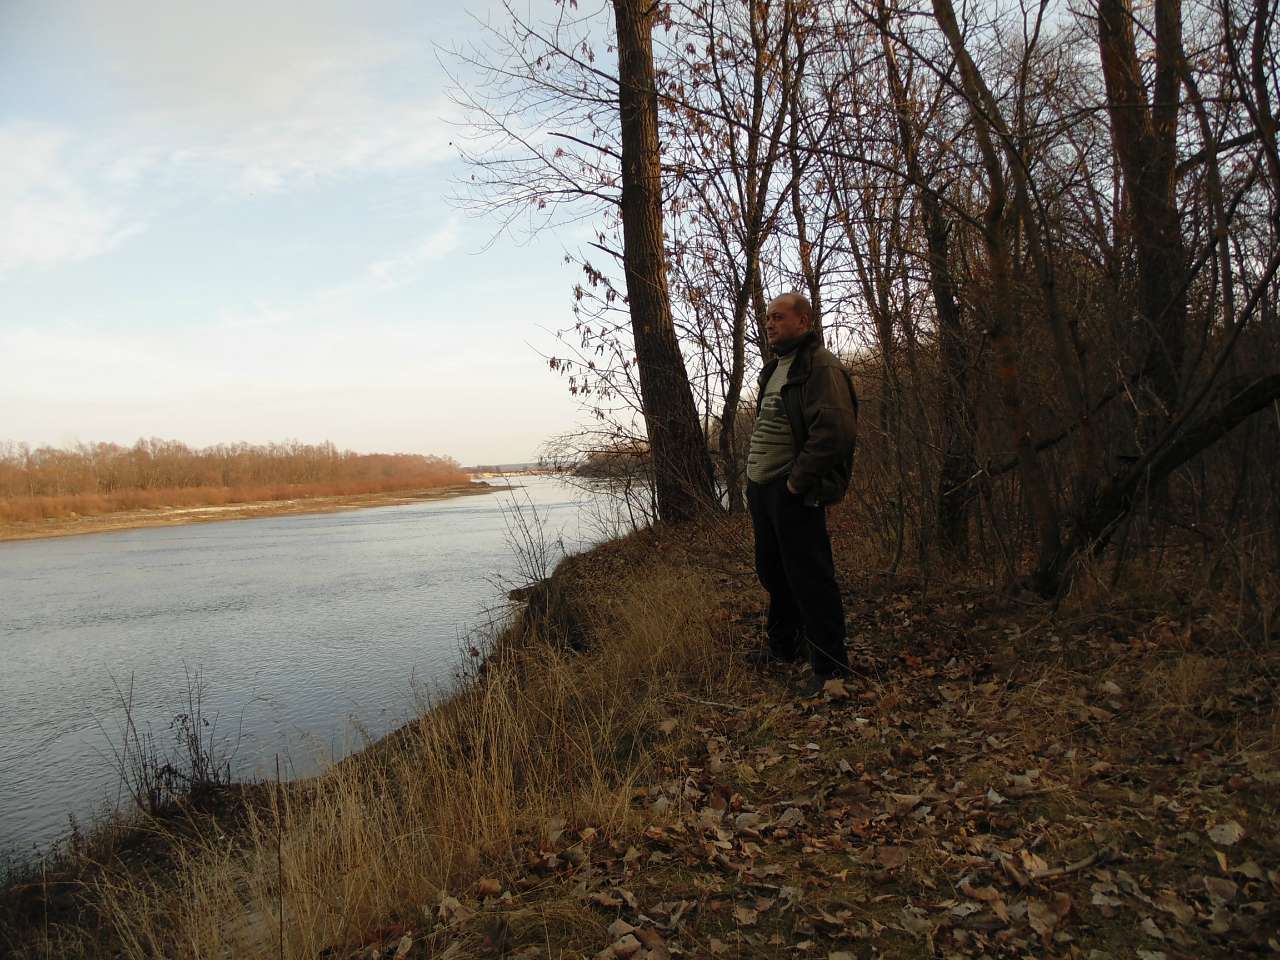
[(174, 516)]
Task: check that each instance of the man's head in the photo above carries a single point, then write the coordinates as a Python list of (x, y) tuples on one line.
[(790, 316)]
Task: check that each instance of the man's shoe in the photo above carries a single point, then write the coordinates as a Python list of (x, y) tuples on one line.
[(771, 658)]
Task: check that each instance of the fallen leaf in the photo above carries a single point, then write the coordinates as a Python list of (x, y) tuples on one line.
[(916, 924), (835, 689), (488, 887), (1042, 917), (1220, 890), (555, 829), (620, 928), (745, 916), (453, 911), (668, 726), (1151, 929), (891, 857), (1250, 869), (985, 894), (1170, 903), (403, 948), (1032, 863), (1221, 921), (717, 947), (1226, 834), (790, 817), (605, 898), (627, 946)]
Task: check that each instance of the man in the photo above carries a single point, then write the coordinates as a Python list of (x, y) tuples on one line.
[(800, 460)]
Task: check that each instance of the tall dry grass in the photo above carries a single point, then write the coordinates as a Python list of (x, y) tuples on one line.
[(543, 733)]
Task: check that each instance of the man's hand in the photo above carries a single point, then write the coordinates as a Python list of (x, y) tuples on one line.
[(792, 490)]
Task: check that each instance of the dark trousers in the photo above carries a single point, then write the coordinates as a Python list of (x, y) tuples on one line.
[(793, 562)]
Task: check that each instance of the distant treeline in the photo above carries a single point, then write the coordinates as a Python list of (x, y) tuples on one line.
[(92, 478)]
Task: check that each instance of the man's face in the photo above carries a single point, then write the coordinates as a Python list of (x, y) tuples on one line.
[(783, 323)]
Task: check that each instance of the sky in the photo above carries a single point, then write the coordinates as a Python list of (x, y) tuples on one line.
[(232, 221)]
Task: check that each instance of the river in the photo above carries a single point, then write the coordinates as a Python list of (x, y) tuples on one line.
[(311, 634)]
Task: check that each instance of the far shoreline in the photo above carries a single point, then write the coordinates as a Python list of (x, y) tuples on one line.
[(183, 516)]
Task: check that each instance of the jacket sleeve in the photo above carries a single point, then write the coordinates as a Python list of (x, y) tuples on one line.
[(832, 427)]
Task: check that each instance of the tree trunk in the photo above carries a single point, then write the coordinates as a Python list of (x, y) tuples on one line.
[(682, 468), (955, 487), (1144, 138), (996, 219)]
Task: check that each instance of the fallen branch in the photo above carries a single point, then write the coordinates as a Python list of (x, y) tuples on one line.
[(1052, 873)]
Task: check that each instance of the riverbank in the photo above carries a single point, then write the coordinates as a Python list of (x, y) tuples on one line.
[(175, 516), (1006, 779)]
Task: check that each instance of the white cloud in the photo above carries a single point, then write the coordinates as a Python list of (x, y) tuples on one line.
[(400, 269), (47, 213), (265, 97)]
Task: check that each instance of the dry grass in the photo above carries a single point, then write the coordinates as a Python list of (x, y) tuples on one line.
[(544, 734), (33, 509)]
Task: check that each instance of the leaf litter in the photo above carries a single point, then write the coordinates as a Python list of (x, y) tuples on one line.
[(996, 785)]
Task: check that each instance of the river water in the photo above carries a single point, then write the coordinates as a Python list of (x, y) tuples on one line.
[(310, 633)]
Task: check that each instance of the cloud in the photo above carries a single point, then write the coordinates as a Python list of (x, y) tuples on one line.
[(47, 213), (400, 269), (267, 97)]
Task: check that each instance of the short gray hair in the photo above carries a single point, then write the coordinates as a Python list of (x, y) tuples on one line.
[(799, 303)]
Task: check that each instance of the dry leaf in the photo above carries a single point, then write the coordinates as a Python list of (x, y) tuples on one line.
[(1151, 929), (1220, 890), (404, 946), (1226, 834), (453, 911), (985, 894), (1170, 903), (620, 928), (835, 689), (790, 817), (668, 726), (605, 898), (916, 924), (891, 857), (1032, 863), (745, 916), (1042, 917), (488, 887)]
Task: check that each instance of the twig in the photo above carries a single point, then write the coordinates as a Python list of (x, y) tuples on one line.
[(710, 703), (1052, 873)]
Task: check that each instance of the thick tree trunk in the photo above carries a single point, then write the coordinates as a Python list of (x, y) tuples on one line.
[(682, 468), (1144, 137)]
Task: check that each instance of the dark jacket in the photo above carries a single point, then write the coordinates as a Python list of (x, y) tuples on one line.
[(822, 407)]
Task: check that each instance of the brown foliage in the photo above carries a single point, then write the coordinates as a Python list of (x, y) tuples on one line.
[(49, 483)]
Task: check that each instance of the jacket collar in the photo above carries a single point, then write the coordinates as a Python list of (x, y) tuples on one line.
[(800, 365)]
